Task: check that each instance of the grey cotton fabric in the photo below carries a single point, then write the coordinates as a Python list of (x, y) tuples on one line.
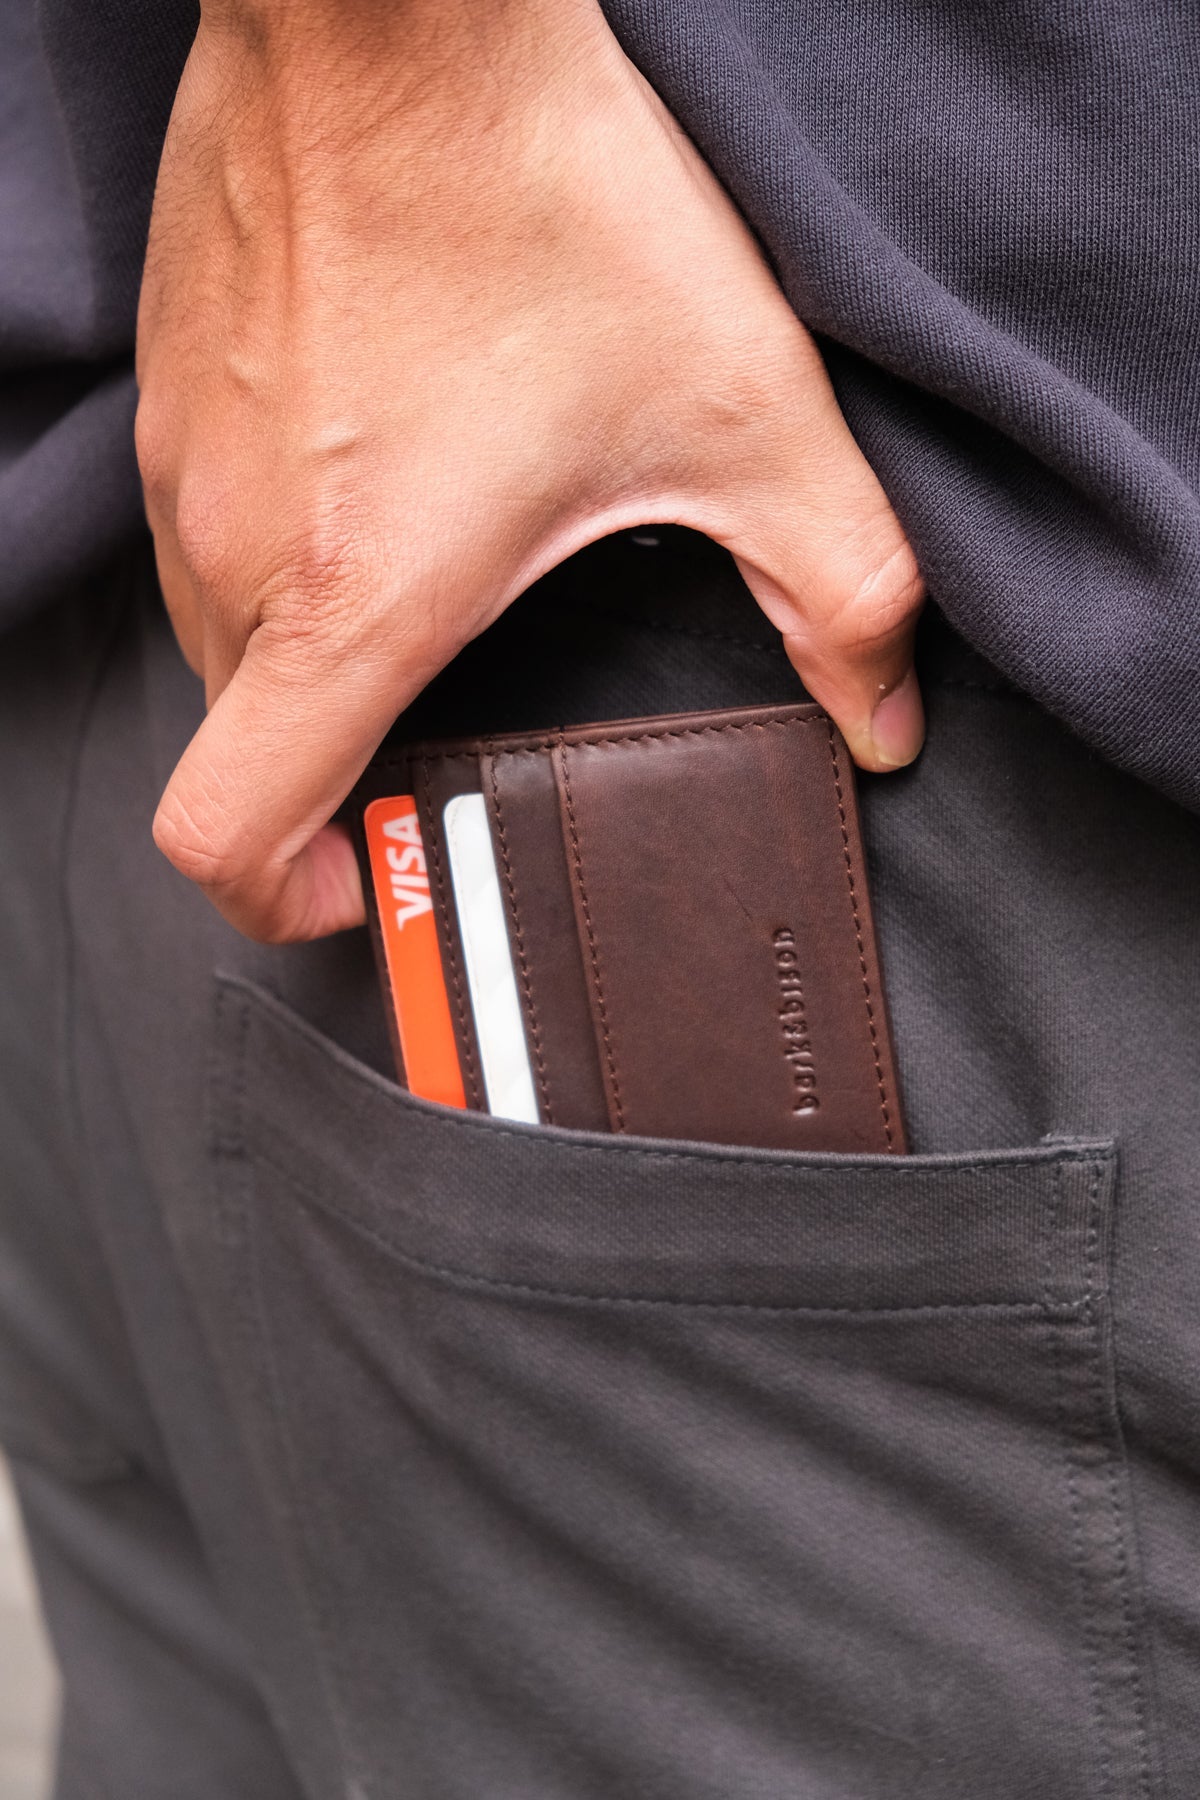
[(373, 1451), (989, 214)]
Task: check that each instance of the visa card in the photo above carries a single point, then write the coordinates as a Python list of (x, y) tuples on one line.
[(407, 926), (409, 929)]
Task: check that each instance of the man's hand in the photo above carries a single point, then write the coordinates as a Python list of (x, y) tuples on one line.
[(436, 294)]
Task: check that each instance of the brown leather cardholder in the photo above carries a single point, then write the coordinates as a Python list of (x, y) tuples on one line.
[(688, 919)]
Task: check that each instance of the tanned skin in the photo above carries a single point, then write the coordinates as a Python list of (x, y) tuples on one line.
[(438, 292)]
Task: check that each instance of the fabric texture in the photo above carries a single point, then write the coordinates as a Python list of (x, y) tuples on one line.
[(991, 216), (370, 1450), (76, 179)]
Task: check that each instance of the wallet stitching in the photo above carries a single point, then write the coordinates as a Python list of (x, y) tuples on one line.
[(658, 736), (1037, 1307), (601, 740), (448, 936), (593, 950), (535, 1029), (888, 1132)]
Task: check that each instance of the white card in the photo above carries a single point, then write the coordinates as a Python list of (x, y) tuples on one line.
[(491, 975)]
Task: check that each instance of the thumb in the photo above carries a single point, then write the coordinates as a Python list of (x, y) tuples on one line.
[(848, 626), (818, 544)]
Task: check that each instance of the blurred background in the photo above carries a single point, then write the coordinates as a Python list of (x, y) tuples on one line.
[(28, 1690)]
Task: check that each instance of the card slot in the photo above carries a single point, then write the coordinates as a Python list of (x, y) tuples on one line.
[(500, 1030), (720, 900), (523, 807), (437, 779)]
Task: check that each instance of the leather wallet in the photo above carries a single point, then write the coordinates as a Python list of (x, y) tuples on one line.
[(687, 912)]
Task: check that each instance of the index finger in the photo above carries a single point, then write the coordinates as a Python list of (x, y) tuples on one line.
[(245, 814)]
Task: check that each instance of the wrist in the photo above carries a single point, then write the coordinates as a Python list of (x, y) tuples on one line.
[(436, 32), (352, 101), (332, 71)]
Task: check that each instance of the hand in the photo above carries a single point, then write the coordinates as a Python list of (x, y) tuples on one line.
[(437, 293)]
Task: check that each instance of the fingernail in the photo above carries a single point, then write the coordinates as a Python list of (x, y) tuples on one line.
[(898, 724)]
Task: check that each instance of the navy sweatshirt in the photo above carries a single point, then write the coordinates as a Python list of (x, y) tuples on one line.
[(989, 214)]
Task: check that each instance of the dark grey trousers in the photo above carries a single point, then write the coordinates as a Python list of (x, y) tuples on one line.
[(372, 1451)]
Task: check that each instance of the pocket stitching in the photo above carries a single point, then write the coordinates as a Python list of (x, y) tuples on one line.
[(1102, 1574), (872, 1025), (1041, 1308)]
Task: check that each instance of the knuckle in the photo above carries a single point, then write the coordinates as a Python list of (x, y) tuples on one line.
[(206, 534), (874, 592), (321, 589), (326, 593), (154, 448), (321, 553), (230, 876), (301, 569), (197, 846), (309, 573)]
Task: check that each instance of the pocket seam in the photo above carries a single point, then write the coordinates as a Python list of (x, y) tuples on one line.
[(1117, 1698), (1041, 1308)]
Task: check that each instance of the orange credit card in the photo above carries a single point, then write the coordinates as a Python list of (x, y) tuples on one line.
[(410, 945)]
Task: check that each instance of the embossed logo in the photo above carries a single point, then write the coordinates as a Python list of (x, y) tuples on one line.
[(793, 1022)]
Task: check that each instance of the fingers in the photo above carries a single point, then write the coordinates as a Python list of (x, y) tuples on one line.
[(246, 812)]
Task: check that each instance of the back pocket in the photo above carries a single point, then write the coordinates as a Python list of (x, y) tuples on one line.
[(616, 1469)]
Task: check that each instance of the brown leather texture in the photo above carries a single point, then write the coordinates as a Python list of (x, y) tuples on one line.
[(690, 925), (539, 898)]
